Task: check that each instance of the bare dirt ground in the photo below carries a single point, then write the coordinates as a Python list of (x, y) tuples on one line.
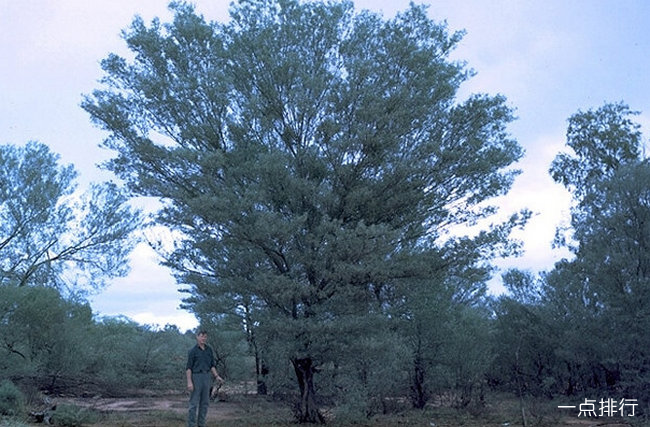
[(170, 403), (171, 410)]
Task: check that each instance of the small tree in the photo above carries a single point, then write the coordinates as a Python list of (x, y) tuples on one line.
[(42, 336)]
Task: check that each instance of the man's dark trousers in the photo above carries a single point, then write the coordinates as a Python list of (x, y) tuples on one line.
[(199, 399)]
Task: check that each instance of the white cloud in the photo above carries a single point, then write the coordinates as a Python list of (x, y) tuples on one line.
[(184, 320), (147, 295)]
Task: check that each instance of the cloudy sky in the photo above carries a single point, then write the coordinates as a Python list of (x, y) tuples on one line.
[(550, 58)]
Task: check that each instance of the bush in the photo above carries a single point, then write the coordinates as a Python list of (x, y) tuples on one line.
[(73, 416), (11, 399)]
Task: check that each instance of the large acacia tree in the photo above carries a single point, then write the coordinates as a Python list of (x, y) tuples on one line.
[(312, 161)]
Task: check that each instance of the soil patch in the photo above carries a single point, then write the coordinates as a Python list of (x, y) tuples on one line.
[(171, 410)]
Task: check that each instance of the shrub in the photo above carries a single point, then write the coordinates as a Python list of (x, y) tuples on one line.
[(11, 399), (73, 416)]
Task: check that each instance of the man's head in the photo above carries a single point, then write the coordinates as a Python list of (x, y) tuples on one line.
[(202, 337)]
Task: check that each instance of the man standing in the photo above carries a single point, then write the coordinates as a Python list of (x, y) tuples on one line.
[(200, 364)]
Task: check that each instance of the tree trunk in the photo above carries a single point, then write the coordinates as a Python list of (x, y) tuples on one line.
[(418, 391), (308, 410), (262, 371)]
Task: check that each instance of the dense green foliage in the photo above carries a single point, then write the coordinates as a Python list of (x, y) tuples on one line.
[(52, 344)]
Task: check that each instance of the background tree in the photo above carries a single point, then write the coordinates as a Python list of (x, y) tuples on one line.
[(141, 357), (577, 329), (602, 141), (312, 162), (55, 245), (604, 293), (39, 332), (51, 236), (526, 341)]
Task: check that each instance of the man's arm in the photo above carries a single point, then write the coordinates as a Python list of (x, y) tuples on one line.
[(190, 384), (188, 371), (216, 375), (214, 391)]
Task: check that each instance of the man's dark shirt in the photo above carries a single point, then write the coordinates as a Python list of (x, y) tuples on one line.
[(200, 360)]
